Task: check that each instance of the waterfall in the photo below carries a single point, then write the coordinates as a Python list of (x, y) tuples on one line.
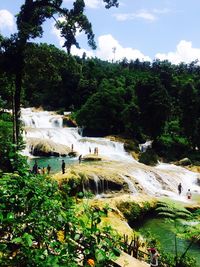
[(161, 180), (49, 126)]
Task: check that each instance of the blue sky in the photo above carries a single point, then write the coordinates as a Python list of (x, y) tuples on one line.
[(144, 29)]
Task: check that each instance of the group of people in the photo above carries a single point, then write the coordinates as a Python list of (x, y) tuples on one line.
[(38, 170), (188, 194)]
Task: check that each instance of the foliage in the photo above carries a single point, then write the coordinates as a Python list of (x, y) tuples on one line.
[(30, 19), (11, 160), (172, 211), (149, 157), (40, 226), (172, 143), (134, 212), (175, 214), (167, 258)]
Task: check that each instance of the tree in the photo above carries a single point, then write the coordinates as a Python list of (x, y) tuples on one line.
[(189, 103), (154, 103), (29, 22), (100, 115)]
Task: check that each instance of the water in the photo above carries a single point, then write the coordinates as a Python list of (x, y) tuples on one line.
[(161, 180), (54, 162), (163, 231)]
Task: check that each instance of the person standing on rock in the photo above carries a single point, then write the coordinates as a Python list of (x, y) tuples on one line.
[(63, 166)]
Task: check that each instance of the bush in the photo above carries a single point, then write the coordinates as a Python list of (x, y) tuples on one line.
[(40, 226), (134, 212), (149, 157)]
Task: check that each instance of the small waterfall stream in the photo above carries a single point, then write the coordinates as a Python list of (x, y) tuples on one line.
[(160, 180)]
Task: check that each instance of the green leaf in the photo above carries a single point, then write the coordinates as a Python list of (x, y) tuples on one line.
[(100, 255), (28, 239), (10, 216), (17, 240)]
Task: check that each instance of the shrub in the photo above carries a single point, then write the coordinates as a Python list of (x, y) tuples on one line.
[(149, 157), (40, 226), (134, 212)]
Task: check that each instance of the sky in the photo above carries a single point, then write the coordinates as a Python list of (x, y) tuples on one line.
[(143, 29)]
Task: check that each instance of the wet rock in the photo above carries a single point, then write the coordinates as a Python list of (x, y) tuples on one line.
[(72, 154), (184, 162), (47, 148), (91, 158), (69, 122)]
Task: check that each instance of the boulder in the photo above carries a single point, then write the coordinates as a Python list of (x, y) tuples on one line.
[(184, 162), (91, 157), (47, 148), (72, 154), (68, 121)]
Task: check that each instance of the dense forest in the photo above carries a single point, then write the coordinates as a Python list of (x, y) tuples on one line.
[(42, 223), (141, 100)]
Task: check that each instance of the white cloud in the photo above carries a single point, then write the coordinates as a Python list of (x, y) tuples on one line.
[(79, 52), (184, 53), (145, 15), (142, 14), (6, 20), (93, 3), (161, 11), (106, 43)]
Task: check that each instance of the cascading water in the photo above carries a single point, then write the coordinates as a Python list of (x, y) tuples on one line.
[(160, 180), (48, 126)]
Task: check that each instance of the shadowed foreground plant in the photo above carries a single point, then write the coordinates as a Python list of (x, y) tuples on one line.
[(40, 227)]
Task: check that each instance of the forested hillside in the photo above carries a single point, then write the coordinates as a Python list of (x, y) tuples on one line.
[(140, 100)]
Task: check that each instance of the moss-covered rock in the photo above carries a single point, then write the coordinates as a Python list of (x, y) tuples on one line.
[(184, 162), (135, 212)]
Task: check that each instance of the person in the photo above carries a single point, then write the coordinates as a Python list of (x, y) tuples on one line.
[(90, 150), (80, 158), (179, 188), (72, 148), (153, 257), (43, 170), (35, 168), (189, 194), (39, 170), (63, 166), (48, 169)]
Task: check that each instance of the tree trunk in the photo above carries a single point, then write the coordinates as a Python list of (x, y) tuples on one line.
[(17, 101)]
